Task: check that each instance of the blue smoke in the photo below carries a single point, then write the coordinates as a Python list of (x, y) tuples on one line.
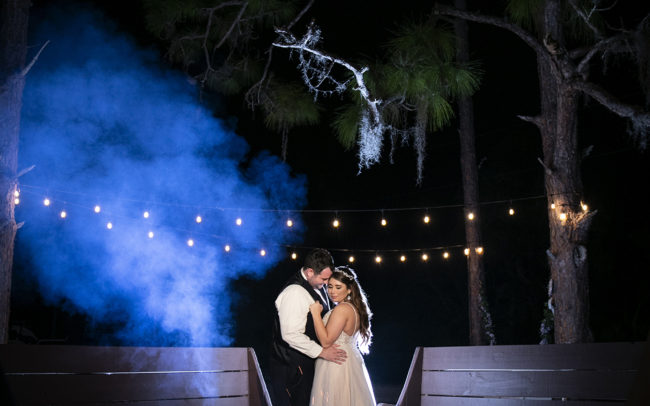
[(105, 124)]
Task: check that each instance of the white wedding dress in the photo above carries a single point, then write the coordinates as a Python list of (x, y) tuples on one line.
[(343, 385)]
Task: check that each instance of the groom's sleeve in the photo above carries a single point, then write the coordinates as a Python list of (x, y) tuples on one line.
[(293, 307)]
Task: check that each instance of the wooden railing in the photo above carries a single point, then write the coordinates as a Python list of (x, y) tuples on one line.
[(536, 375), (165, 376)]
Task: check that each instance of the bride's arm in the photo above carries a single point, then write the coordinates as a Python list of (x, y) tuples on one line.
[(328, 334)]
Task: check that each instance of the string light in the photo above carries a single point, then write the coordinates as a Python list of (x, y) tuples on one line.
[(150, 234), (198, 219), (470, 216), (553, 206), (63, 214), (226, 248), (263, 252), (294, 255), (190, 242), (378, 259), (97, 209), (46, 201), (289, 223), (238, 221), (426, 219), (336, 223), (479, 250), (384, 222), (425, 257), (584, 206), (145, 214), (109, 225), (351, 259), (16, 200), (511, 211), (466, 251), (402, 258), (16, 193), (563, 216), (445, 255)]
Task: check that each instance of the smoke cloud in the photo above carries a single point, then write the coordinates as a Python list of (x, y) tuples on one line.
[(106, 124)]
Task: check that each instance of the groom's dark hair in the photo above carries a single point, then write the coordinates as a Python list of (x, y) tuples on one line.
[(319, 259)]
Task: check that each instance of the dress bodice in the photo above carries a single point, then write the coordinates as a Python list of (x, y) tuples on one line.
[(344, 338)]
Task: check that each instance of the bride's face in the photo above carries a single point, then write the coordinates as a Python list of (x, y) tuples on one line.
[(337, 290)]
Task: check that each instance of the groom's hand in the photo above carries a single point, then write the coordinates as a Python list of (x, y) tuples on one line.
[(333, 354)]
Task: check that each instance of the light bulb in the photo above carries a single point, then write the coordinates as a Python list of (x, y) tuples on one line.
[(466, 251), (109, 225), (402, 258), (445, 255), (190, 242), (563, 216), (46, 201), (145, 214), (238, 221), (63, 214), (198, 219), (553, 206), (383, 222), (226, 248), (426, 219), (289, 223), (97, 209), (584, 206), (470, 216), (16, 193), (336, 223), (262, 252), (351, 259), (16, 200), (479, 250), (511, 212), (378, 259), (294, 255), (425, 257), (150, 234)]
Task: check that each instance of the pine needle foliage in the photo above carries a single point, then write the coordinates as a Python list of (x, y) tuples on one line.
[(288, 106)]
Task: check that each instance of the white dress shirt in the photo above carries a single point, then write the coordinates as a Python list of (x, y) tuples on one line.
[(293, 307)]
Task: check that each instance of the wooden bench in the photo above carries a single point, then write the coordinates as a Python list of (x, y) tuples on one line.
[(539, 375), (166, 376)]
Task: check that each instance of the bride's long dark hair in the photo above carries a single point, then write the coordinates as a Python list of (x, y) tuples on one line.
[(359, 300)]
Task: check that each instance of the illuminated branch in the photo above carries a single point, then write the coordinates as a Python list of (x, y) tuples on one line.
[(316, 69)]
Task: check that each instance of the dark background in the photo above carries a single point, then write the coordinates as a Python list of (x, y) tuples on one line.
[(425, 303)]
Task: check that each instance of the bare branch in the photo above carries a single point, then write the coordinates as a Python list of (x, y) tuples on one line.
[(586, 18), (537, 120), (253, 94), (27, 68), (24, 171), (232, 26), (548, 170), (600, 46), (614, 105)]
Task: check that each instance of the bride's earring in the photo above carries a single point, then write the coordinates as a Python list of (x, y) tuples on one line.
[(348, 298)]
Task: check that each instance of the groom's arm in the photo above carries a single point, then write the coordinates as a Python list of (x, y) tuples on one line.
[(293, 307)]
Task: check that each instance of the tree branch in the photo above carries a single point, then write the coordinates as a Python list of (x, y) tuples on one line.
[(586, 18), (635, 113)]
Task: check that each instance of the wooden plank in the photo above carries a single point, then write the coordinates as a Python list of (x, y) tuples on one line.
[(410, 395), (238, 401), (88, 359), (460, 401), (257, 392), (621, 356), (606, 385), (59, 389)]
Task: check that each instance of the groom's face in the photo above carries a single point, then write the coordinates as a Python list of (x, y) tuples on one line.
[(317, 280)]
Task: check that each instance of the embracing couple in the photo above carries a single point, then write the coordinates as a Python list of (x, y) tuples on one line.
[(321, 328)]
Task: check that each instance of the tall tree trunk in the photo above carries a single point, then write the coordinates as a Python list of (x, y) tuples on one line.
[(13, 47), (568, 222), (480, 325)]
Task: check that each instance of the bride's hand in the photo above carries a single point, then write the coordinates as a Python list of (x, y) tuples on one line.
[(316, 308)]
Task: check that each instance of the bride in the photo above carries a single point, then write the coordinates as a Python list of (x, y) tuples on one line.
[(347, 325)]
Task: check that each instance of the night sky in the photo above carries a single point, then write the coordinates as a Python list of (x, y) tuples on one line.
[(414, 303)]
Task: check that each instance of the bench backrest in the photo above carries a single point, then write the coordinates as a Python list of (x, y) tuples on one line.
[(584, 374), (166, 376)]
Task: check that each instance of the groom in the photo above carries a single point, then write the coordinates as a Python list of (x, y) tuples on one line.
[(295, 346)]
